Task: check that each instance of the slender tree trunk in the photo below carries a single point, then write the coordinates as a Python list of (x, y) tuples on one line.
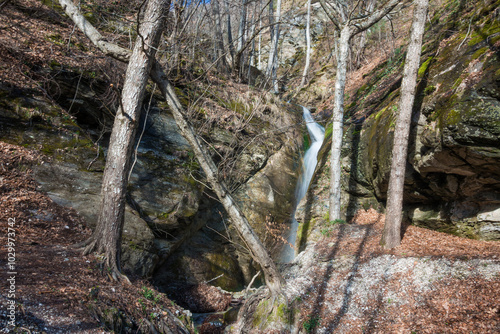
[(242, 34), (340, 15), (259, 57), (251, 54), (243, 24), (272, 64), (308, 44), (337, 122), (107, 235), (219, 39), (229, 32), (391, 236)]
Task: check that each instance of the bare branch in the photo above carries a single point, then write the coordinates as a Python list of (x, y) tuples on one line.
[(366, 22), (332, 18)]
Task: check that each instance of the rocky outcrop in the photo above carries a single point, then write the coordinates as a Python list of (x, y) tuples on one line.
[(453, 173), (216, 253), (172, 230)]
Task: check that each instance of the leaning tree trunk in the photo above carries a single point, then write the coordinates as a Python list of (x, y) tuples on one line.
[(272, 276), (258, 252), (107, 235), (337, 122), (391, 236)]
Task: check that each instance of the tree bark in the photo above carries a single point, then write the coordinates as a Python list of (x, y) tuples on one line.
[(272, 63), (391, 236), (258, 252), (229, 32), (308, 44), (220, 57), (338, 122), (106, 238), (343, 19), (243, 25)]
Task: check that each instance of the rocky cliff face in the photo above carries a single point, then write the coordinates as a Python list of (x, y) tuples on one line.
[(453, 172), (170, 214)]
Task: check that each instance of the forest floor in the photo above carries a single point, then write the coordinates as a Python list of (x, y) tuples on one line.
[(57, 290), (432, 283), (345, 283)]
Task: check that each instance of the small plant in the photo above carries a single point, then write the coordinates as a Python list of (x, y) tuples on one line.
[(143, 305), (148, 293), (337, 221), (311, 323), (325, 232), (429, 90)]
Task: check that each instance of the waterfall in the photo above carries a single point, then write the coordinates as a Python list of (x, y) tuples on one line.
[(316, 134)]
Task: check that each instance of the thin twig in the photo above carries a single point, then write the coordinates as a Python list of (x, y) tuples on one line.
[(213, 279), (142, 133), (468, 31), (251, 282)]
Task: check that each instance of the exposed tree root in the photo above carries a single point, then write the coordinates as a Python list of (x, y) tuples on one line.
[(110, 259)]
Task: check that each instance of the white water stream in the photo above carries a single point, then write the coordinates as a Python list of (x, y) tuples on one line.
[(317, 134)]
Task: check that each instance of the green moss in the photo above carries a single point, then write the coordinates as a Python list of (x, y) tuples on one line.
[(303, 231), (457, 83), (423, 68), (479, 52), (328, 130), (380, 113), (429, 90), (282, 310), (260, 313), (493, 40), (453, 117), (55, 38), (220, 263), (489, 28), (266, 313)]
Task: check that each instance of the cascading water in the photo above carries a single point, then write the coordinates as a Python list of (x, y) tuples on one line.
[(317, 134)]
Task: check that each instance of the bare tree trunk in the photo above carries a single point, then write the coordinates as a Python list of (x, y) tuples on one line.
[(391, 236), (272, 63), (243, 24), (259, 57), (338, 122), (251, 54), (362, 37), (272, 276), (107, 235), (258, 252), (219, 39), (343, 19), (229, 32), (308, 44)]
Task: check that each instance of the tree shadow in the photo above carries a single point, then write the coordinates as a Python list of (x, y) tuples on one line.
[(322, 282), (346, 302), (352, 183)]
